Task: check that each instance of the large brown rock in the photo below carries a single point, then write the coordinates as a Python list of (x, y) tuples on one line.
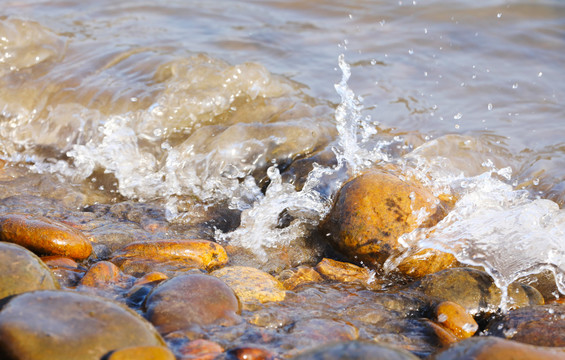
[(492, 348), (192, 299), (22, 271), (373, 210), (44, 236), (46, 325)]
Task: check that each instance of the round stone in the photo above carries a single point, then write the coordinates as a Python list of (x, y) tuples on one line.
[(45, 325), (22, 271), (189, 300), (373, 210), (251, 285)]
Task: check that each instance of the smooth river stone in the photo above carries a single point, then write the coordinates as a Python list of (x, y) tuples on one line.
[(356, 350), (345, 272), (455, 318), (22, 271), (492, 348), (475, 290), (373, 210), (169, 256), (193, 299), (251, 285), (44, 236), (46, 325), (142, 353), (542, 325)]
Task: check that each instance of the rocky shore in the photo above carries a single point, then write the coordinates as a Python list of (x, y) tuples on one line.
[(118, 281)]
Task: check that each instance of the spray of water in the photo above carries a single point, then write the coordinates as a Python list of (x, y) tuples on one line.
[(259, 225)]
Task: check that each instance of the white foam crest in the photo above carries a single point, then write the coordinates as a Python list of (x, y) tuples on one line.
[(497, 227), (260, 225)]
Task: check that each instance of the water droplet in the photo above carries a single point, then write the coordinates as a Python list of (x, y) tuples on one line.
[(373, 62), (536, 182), (458, 116), (540, 74), (499, 15), (515, 86), (410, 51), (457, 126), (489, 106)]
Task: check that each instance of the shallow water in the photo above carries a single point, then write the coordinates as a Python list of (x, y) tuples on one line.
[(188, 105)]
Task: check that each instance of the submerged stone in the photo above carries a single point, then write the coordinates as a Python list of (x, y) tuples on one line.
[(191, 300), (356, 350), (542, 325), (373, 210), (22, 271), (44, 236), (68, 325), (475, 290), (251, 285), (492, 348)]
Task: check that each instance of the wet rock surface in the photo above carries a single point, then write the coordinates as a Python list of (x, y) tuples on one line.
[(67, 325), (22, 271), (251, 285), (169, 256), (492, 348), (142, 353), (191, 300), (44, 236), (373, 210), (209, 306), (475, 290), (356, 351), (542, 325)]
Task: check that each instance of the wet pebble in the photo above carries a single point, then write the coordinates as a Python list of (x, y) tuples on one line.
[(251, 285), (542, 325), (44, 236), (492, 348), (65, 269), (373, 210), (292, 278), (22, 271), (312, 333), (142, 353), (68, 325), (248, 353), (191, 300), (356, 350), (345, 272), (199, 349), (456, 319), (169, 256), (102, 274), (475, 290)]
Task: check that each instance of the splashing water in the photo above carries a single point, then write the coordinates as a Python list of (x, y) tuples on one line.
[(259, 224), (492, 225)]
